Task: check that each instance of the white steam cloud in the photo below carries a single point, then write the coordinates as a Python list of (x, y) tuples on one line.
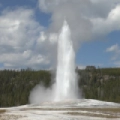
[(88, 19), (40, 94)]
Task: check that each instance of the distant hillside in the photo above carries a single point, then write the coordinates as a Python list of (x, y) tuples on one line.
[(101, 84)]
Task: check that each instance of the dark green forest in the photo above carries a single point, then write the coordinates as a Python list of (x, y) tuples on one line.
[(101, 84), (15, 86)]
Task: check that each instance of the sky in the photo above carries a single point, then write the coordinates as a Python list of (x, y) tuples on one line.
[(29, 32)]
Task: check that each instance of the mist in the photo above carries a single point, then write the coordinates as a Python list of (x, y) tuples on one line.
[(41, 94)]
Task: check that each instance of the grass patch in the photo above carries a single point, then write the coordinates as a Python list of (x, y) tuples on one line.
[(10, 117), (93, 115), (97, 112), (92, 112), (114, 110), (2, 111)]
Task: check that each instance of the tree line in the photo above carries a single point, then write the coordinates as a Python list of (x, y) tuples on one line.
[(15, 86), (101, 84)]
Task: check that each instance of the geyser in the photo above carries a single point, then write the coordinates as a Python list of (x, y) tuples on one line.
[(66, 86), (66, 82)]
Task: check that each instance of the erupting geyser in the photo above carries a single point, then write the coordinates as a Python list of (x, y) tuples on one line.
[(66, 86), (66, 82)]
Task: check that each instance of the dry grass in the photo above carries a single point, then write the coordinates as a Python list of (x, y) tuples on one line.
[(92, 112), (93, 115), (10, 117), (114, 110), (103, 110), (2, 111), (98, 112)]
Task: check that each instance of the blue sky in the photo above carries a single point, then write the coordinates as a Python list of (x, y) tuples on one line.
[(28, 31), (94, 52), (41, 17)]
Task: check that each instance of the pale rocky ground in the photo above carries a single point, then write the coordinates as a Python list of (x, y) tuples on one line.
[(66, 110)]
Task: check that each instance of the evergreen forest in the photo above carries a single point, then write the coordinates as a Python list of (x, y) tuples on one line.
[(101, 84)]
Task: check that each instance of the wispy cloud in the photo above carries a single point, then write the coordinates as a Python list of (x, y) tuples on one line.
[(0, 5), (115, 50), (81, 66)]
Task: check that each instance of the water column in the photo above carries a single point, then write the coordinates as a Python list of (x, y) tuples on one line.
[(66, 83)]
